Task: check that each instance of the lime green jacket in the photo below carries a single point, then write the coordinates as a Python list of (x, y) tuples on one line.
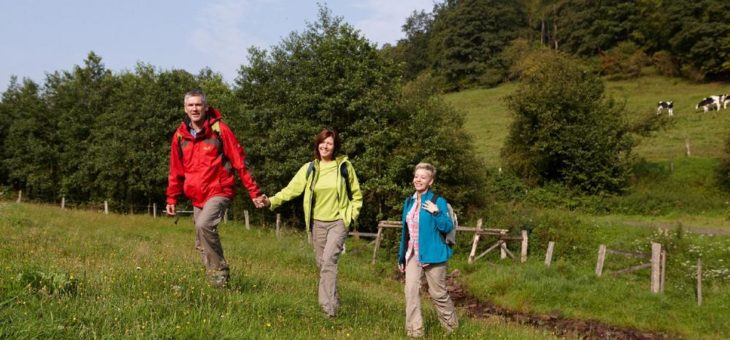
[(301, 183)]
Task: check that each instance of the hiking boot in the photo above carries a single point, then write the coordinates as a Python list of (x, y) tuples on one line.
[(218, 279), (415, 334)]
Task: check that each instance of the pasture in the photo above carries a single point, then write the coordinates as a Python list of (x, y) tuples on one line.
[(488, 120), (82, 274), (70, 274)]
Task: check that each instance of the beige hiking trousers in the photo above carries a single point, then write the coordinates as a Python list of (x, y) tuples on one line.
[(436, 278), (329, 240), (207, 241)]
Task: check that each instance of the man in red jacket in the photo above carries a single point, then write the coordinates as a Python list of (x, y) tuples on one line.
[(204, 155)]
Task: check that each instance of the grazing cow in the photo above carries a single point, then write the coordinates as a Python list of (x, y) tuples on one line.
[(708, 103), (725, 100), (669, 106)]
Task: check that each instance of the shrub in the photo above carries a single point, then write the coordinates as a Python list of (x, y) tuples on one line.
[(565, 130), (666, 64)]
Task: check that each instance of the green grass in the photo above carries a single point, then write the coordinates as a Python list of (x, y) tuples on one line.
[(70, 274), (487, 118), (570, 289), (80, 274)]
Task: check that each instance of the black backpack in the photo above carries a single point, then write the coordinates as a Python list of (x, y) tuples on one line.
[(343, 171), (450, 237)]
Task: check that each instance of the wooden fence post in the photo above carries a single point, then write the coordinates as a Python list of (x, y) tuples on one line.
[(378, 237), (699, 282), (154, 210), (225, 216), (601, 258), (278, 223), (686, 147), (663, 270), (502, 252), (20, 196), (656, 262), (245, 217), (549, 253), (523, 249), (106, 207), (475, 241), (63, 202)]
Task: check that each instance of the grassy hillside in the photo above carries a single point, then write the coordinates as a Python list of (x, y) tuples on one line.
[(78, 274), (487, 118)]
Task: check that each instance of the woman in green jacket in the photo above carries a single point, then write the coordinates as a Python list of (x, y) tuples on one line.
[(332, 201)]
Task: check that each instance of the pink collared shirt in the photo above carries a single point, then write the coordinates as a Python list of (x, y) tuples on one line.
[(412, 220)]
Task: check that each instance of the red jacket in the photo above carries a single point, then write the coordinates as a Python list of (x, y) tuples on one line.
[(200, 170)]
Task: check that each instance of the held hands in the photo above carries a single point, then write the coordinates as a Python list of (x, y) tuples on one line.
[(261, 201), (170, 210), (402, 267), (430, 207)]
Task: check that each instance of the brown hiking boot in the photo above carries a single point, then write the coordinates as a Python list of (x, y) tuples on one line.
[(218, 279)]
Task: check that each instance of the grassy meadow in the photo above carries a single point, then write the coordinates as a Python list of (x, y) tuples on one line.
[(669, 190), (488, 120), (82, 274), (70, 274)]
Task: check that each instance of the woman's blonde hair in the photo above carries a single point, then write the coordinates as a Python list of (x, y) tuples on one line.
[(426, 166)]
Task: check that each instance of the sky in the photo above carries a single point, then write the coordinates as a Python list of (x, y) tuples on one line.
[(43, 36)]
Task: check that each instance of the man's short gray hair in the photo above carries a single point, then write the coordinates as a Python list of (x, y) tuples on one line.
[(196, 93)]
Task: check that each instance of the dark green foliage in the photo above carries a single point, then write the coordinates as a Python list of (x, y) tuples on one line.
[(459, 40), (89, 135), (32, 143), (413, 50), (75, 99), (587, 27), (699, 35), (329, 75), (468, 37), (565, 130)]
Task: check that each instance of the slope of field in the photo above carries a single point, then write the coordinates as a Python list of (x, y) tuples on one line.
[(76, 274), (488, 120), (79, 274)]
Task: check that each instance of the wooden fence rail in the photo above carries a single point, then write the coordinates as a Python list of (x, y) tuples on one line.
[(657, 263), (479, 232)]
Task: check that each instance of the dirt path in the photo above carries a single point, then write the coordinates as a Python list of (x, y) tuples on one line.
[(562, 327)]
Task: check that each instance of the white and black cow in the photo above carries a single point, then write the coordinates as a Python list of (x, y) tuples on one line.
[(708, 103), (725, 100), (668, 105)]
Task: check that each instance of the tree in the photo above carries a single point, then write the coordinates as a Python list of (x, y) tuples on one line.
[(414, 48), (565, 130), (700, 36), (329, 75), (468, 37), (31, 146), (76, 99), (590, 27)]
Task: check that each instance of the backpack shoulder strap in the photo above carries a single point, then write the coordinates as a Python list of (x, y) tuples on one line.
[(216, 128), (346, 176), (310, 169)]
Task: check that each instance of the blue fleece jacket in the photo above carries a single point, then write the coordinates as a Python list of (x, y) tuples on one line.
[(431, 246)]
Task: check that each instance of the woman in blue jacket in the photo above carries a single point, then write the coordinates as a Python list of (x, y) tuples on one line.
[(423, 252)]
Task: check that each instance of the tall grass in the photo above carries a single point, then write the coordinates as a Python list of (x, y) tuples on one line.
[(138, 277), (570, 288)]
